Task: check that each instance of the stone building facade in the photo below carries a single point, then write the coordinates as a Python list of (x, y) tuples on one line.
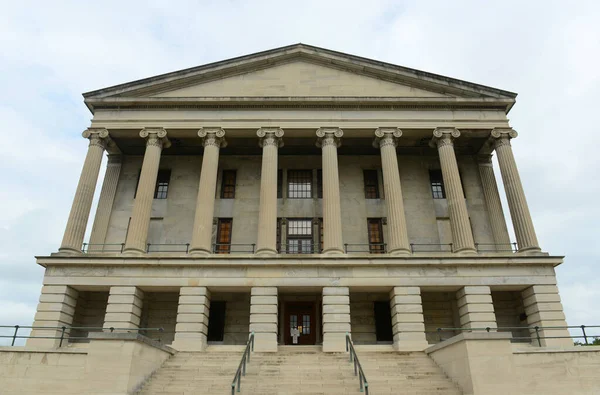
[(300, 188)]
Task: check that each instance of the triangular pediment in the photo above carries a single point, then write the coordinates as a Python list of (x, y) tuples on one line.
[(298, 73)]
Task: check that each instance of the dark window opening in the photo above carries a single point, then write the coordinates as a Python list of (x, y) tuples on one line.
[(278, 237), (321, 234), (375, 229), (223, 245), (279, 184), (371, 184), (228, 184), (299, 184), (216, 322), (299, 236), (437, 184), (320, 183), (383, 322)]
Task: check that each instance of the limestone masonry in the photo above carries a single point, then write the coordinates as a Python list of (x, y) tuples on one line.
[(300, 190)]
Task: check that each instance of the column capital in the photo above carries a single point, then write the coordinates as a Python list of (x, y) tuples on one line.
[(329, 136), (212, 136), (502, 136), (155, 136), (270, 136), (484, 160), (444, 136), (97, 136), (386, 136)]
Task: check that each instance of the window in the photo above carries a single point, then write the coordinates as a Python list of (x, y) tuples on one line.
[(278, 236), (228, 184), (299, 184), (162, 184), (375, 236), (223, 245), (299, 236), (320, 183), (437, 184), (371, 184), (279, 184)]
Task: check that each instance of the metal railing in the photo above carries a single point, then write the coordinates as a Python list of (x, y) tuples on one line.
[(358, 370), (241, 370), (299, 248), (222, 248), (488, 247), (166, 247), (535, 331), (66, 332), (430, 247), (110, 247), (372, 248)]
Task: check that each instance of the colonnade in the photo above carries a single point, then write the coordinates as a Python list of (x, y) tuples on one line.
[(329, 139)]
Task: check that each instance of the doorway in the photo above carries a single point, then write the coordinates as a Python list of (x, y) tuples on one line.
[(383, 322), (216, 322), (300, 316)]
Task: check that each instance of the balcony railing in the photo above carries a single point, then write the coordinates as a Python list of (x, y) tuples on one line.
[(372, 248), (222, 248), (483, 247), (300, 246), (165, 247)]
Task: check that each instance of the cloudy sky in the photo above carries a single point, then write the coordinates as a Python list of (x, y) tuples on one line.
[(548, 52)]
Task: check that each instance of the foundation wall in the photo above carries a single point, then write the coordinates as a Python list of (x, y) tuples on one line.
[(237, 316), (439, 311), (159, 310)]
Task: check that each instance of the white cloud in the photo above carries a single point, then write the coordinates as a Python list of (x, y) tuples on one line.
[(49, 54)]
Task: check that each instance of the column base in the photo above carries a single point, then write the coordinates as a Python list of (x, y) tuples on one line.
[(265, 252), (526, 250), (69, 251), (400, 252), (466, 250), (334, 251), (199, 252), (133, 251)]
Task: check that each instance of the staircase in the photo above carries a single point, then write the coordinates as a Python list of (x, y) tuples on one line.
[(299, 370)]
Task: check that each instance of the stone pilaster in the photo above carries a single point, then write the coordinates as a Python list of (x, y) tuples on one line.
[(329, 141), (192, 319), (84, 195), (213, 140), (396, 220), (336, 318), (475, 307), (544, 309), (462, 236), (263, 318), (493, 203), (137, 236), (270, 141), (515, 195), (105, 203), (408, 324), (55, 310), (124, 308)]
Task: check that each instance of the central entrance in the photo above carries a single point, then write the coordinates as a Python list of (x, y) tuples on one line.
[(300, 316)]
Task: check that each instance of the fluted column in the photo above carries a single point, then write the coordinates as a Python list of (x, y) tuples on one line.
[(492, 202), (462, 236), (270, 141), (213, 140), (84, 195), (398, 235), (329, 141), (105, 203), (517, 204), (156, 139)]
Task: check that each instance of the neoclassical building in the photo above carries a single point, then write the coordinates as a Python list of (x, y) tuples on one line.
[(300, 188)]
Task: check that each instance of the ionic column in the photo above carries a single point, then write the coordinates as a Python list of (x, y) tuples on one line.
[(84, 195), (270, 141), (213, 140), (398, 235), (493, 203), (408, 323), (336, 318), (124, 308), (192, 319), (263, 318), (105, 203), (544, 310), (156, 139), (329, 141), (462, 236), (55, 310), (517, 204), (476, 308)]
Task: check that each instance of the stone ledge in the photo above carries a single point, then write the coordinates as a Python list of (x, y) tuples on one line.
[(469, 336), (131, 337), (25, 349), (548, 350)]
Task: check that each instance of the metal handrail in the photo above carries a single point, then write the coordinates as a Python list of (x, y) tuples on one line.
[(64, 331), (241, 370), (86, 247), (186, 245), (534, 329), (412, 247), (485, 247), (293, 248), (373, 248), (229, 248), (358, 370)]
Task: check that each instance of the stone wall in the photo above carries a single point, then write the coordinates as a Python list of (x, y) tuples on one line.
[(362, 316), (237, 316), (89, 312), (510, 312), (159, 310), (439, 311)]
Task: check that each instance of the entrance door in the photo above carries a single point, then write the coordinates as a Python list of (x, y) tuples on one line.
[(216, 322), (383, 322), (300, 316)]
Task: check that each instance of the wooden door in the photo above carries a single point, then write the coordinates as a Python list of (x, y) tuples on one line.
[(300, 316)]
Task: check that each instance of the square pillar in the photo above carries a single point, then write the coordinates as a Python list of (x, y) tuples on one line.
[(124, 308), (336, 318), (263, 318), (475, 308), (55, 310), (544, 309), (408, 324), (192, 319)]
